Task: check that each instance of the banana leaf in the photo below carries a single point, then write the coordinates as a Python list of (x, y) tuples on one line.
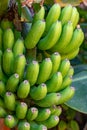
[(79, 100)]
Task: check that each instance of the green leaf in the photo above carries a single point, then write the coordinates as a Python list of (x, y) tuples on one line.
[(79, 100)]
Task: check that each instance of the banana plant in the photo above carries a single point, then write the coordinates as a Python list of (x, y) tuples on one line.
[(3, 6)]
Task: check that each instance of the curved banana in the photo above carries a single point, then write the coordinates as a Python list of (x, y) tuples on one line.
[(64, 67), (39, 15), (43, 112), (52, 16), (56, 59), (23, 89), (52, 36), (56, 110), (19, 65), (65, 14), (18, 47), (8, 58), (10, 101), (32, 72), (66, 94), (49, 100), (74, 17), (70, 55), (38, 92), (76, 41), (66, 82), (64, 39), (32, 113), (54, 84), (8, 39), (35, 126), (21, 110), (51, 122), (23, 125), (11, 121), (12, 83), (34, 34), (44, 71), (71, 71)]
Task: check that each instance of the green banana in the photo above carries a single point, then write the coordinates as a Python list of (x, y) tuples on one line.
[(62, 125), (19, 65), (51, 122), (34, 34), (77, 19), (8, 39), (52, 36), (76, 41), (52, 16), (10, 121), (66, 82), (56, 59), (32, 113), (23, 89), (35, 126), (54, 84), (71, 71), (66, 14), (39, 15), (64, 67), (6, 24), (18, 47), (9, 100), (45, 113), (8, 58), (23, 125), (49, 100), (2, 88), (56, 110), (1, 34), (70, 55), (39, 92), (64, 39), (12, 83), (66, 94), (44, 71), (21, 110), (74, 16), (32, 72), (3, 113)]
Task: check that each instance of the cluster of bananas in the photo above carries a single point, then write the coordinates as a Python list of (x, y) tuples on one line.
[(31, 92), (59, 32)]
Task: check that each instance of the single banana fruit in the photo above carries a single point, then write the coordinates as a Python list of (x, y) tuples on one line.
[(52, 36), (40, 90)]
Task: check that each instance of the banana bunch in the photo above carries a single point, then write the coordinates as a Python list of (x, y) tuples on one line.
[(58, 31), (31, 92)]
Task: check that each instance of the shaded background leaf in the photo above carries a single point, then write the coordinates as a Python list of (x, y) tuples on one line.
[(79, 100)]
